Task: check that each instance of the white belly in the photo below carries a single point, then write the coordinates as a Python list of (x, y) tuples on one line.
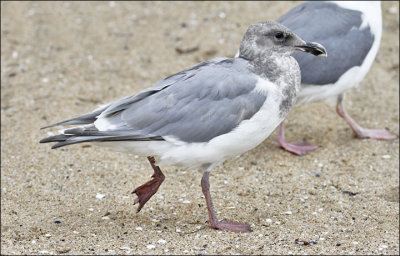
[(329, 92)]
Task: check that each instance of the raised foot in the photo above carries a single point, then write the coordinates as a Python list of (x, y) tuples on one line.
[(147, 190), (299, 148), (377, 134), (231, 226)]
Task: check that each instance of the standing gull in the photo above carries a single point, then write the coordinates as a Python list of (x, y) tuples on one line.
[(351, 33), (201, 116)]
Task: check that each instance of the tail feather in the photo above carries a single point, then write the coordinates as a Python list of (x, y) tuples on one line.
[(56, 138), (80, 135), (84, 119), (89, 133), (71, 139)]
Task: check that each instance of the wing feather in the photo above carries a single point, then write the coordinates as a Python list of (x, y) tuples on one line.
[(194, 105)]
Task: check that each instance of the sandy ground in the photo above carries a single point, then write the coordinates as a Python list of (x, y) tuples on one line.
[(60, 60)]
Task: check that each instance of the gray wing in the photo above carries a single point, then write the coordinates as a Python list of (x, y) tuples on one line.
[(338, 30), (201, 103), (159, 86), (122, 103), (194, 105)]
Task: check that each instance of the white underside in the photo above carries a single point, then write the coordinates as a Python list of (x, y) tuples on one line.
[(328, 93), (246, 136)]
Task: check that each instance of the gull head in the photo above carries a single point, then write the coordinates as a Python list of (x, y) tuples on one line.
[(269, 37)]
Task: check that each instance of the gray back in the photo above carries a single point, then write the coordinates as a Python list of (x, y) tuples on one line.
[(335, 28)]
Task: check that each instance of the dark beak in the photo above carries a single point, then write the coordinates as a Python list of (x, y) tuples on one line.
[(313, 48)]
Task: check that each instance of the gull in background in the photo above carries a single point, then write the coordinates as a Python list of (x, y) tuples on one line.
[(351, 33)]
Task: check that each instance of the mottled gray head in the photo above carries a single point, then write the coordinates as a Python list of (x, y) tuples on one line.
[(264, 37)]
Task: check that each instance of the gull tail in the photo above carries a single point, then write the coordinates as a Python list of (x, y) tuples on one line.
[(91, 134), (84, 119)]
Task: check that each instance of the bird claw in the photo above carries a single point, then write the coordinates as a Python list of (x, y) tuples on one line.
[(147, 190), (231, 226), (377, 134), (299, 148)]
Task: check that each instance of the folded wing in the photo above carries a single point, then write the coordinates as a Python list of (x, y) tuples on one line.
[(342, 35), (194, 105)]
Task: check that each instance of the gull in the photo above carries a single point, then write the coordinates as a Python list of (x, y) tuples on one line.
[(203, 115), (351, 32)]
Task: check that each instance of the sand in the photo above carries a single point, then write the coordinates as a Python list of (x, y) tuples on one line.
[(60, 60)]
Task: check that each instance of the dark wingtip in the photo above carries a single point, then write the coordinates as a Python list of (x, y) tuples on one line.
[(45, 140), (56, 124), (52, 125), (45, 127), (60, 144), (55, 138)]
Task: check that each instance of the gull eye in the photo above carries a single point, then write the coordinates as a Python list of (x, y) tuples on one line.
[(279, 35)]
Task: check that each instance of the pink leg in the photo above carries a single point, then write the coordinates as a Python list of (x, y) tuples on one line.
[(298, 148), (147, 190), (360, 132), (214, 222)]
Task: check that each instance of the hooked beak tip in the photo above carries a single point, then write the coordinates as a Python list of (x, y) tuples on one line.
[(313, 48)]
